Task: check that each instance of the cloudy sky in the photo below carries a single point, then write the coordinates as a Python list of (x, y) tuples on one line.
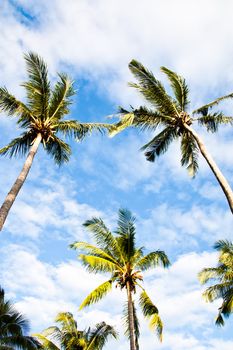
[(93, 41)]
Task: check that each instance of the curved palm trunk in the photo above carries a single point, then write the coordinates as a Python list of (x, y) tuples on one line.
[(131, 317), (215, 169), (11, 196)]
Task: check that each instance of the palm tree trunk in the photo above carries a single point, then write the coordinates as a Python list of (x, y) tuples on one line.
[(215, 169), (131, 317), (11, 196)]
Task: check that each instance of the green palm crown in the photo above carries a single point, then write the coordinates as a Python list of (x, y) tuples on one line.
[(118, 255), (169, 113), (43, 113), (223, 276)]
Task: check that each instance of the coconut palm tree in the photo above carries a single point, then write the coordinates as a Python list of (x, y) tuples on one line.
[(68, 337), (223, 276), (119, 256), (172, 115), (42, 118), (14, 327)]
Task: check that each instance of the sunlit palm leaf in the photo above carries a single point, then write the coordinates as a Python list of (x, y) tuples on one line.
[(150, 311), (152, 89), (98, 264), (97, 294), (99, 336), (179, 87), (13, 107), (61, 97), (153, 259), (37, 86), (189, 152)]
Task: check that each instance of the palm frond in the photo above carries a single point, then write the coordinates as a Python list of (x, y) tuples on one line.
[(213, 103), (92, 250), (151, 312), (208, 274), (212, 121), (126, 231), (126, 120), (97, 294), (189, 152), (179, 87), (103, 237), (152, 89), (12, 106), (21, 342), (153, 259), (58, 149), (45, 342), (19, 146), (37, 86), (98, 264), (61, 97), (224, 246), (160, 143), (73, 128), (98, 336)]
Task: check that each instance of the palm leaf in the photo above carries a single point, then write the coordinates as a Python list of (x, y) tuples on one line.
[(98, 264), (90, 249), (37, 86), (179, 87), (19, 146), (73, 128), (189, 151), (103, 237), (98, 336), (152, 89), (153, 259), (45, 342), (213, 103), (10, 105), (61, 97), (97, 294), (125, 121), (150, 311), (212, 121), (58, 149), (126, 234), (160, 143)]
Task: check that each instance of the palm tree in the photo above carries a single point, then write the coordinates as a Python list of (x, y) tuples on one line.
[(13, 328), (42, 119), (171, 113), (223, 275), (68, 337), (119, 256)]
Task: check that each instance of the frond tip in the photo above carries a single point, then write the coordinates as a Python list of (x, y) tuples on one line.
[(151, 312)]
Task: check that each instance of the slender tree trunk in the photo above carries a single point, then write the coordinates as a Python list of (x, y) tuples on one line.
[(131, 317), (11, 196), (215, 169)]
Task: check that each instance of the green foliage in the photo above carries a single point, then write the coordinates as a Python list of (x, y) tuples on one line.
[(151, 312), (44, 113), (68, 337), (118, 255), (14, 327), (170, 114), (223, 275)]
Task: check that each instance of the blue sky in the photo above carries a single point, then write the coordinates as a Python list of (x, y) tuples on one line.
[(94, 41)]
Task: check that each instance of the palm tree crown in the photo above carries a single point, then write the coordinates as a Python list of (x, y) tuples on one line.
[(223, 275), (14, 327), (171, 113), (42, 119), (119, 256), (68, 337)]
